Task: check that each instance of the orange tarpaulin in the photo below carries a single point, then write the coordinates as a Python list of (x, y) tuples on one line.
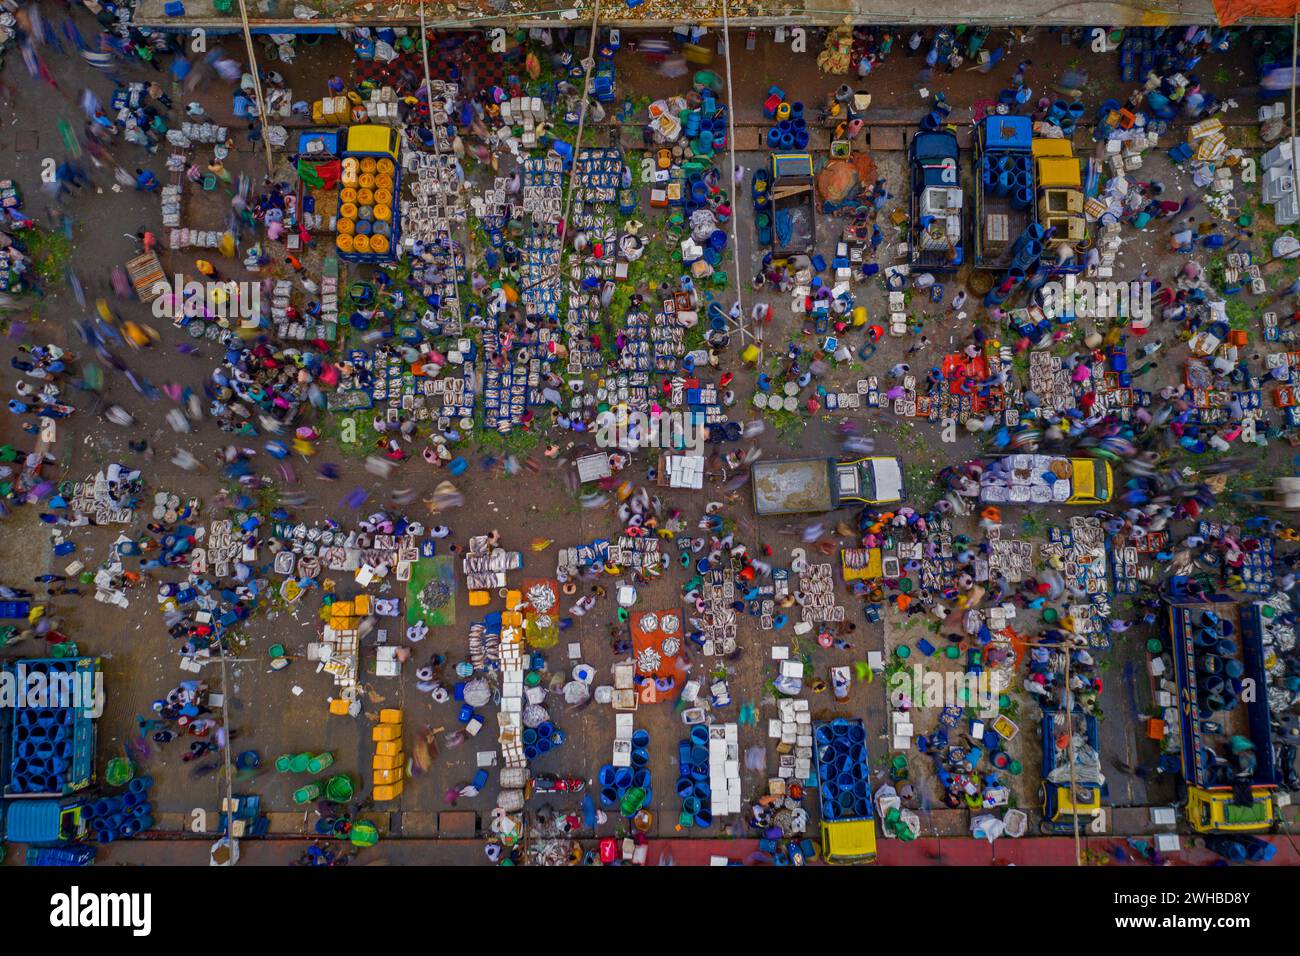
[(1230, 11)]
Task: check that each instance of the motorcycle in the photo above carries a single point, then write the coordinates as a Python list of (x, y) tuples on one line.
[(548, 784)]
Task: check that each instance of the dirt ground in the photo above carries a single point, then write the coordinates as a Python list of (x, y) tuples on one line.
[(276, 712)]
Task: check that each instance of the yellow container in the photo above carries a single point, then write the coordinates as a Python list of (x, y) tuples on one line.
[(379, 244), (859, 315), (383, 777), (346, 226), (365, 196), (388, 747), (386, 732), (390, 715), (361, 605), (383, 195), (382, 213), (749, 354), (348, 210), (387, 761), (384, 181), (385, 167), (343, 242), (368, 164), (347, 194), (339, 707), (360, 243), (366, 180), (387, 791), (783, 112), (479, 598)]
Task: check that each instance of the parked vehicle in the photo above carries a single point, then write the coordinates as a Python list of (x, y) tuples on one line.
[(1225, 741), (1004, 192), (1073, 785), (794, 213), (800, 485), (937, 227)]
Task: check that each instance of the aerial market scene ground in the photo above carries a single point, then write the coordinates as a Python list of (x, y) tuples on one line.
[(587, 436)]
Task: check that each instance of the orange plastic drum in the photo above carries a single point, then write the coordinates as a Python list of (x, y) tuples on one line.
[(383, 197), (383, 181), (348, 210), (379, 244), (344, 243), (366, 181), (365, 197), (360, 243), (346, 226), (347, 194), (385, 166), (368, 165), (383, 213)]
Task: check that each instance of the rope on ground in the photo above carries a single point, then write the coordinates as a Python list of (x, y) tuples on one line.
[(731, 150)]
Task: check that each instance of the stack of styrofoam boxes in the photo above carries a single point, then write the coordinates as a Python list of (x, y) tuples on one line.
[(382, 107), (795, 742), (525, 111), (1278, 187), (171, 206), (329, 306), (280, 309), (623, 740), (389, 763), (510, 726), (205, 132), (724, 768), (901, 724), (897, 314), (686, 471)]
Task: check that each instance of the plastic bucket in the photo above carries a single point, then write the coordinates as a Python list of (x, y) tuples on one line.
[(704, 818), (545, 729), (606, 775), (640, 738), (530, 737), (607, 796), (685, 787), (1022, 198), (640, 757), (623, 778), (530, 753), (699, 773), (787, 140), (543, 745), (800, 139), (339, 789), (691, 805), (641, 778), (699, 755), (1226, 648)]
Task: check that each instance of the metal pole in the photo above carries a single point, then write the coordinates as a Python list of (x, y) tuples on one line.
[(731, 149), (257, 87), (582, 121), (1295, 26)]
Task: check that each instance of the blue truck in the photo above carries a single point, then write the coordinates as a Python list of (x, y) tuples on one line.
[(848, 828), (937, 228), (1067, 797), (1229, 767), (1004, 189), (51, 737)]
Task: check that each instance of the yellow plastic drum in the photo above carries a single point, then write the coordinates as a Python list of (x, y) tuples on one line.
[(368, 165), (383, 213), (346, 226), (348, 210), (383, 197), (385, 167), (344, 242), (379, 244), (360, 243), (347, 194), (365, 197), (383, 181), (366, 181)]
